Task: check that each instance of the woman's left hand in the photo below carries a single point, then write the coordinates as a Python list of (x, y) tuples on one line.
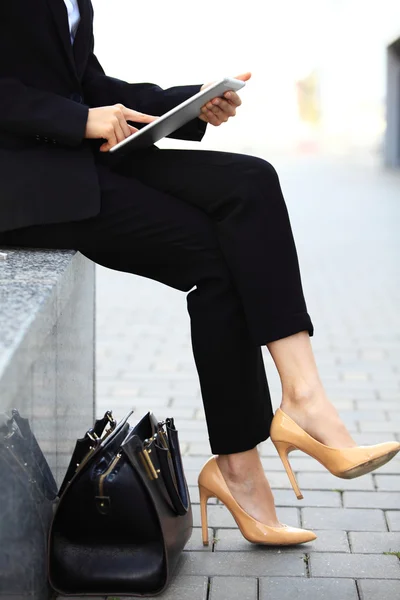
[(219, 110)]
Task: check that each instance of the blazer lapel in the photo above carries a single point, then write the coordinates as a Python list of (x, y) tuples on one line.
[(60, 16)]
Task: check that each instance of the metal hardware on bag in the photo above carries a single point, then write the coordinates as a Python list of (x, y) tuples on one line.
[(83, 462), (163, 439), (103, 504), (148, 463), (111, 420), (146, 466), (149, 441), (106, 474), (110, 417), (92, 435)]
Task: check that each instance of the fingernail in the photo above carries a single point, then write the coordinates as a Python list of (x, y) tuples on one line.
[(228, 95), (216, 101)]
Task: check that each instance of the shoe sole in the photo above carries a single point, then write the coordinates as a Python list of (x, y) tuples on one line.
[(367, 467)]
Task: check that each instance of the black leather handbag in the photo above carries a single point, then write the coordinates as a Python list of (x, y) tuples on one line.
[(124, 513)]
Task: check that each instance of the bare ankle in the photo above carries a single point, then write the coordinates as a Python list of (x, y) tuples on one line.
[(240, 465), (303, 395)]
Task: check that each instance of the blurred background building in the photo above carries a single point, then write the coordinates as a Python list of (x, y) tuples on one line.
[(319, 67)]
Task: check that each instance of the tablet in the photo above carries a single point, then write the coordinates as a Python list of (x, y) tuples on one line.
[(178, 116)]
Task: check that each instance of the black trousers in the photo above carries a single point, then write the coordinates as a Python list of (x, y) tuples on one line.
[(217, 224)]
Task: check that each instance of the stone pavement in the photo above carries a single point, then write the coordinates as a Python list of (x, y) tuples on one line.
[(346, 221)]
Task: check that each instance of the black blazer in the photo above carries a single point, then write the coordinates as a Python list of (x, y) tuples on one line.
[(47, 170)]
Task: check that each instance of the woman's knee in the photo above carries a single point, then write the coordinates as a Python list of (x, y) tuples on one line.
[(258, 182), (262, 168)]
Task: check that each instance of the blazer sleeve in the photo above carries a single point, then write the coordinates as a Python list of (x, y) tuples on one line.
[(102, 90), (29, 112)]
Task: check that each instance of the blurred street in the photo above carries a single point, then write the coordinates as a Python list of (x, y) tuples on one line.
[(346, 222)]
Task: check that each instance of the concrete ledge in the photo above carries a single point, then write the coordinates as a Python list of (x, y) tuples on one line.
[(47, 373)]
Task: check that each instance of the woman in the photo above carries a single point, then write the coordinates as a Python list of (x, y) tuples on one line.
[(214, 223)]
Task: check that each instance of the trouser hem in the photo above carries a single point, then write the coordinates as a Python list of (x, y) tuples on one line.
[(235, 445), (285, 327)]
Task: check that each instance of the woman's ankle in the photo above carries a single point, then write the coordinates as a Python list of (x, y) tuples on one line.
[(303, 396), (240, 465)]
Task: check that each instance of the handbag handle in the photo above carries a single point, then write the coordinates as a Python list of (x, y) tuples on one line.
[(87, 446)]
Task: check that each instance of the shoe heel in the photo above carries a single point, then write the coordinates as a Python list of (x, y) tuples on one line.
[(283, 450), (204, 496)]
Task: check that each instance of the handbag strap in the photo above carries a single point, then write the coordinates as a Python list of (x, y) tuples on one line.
[(87, 446)]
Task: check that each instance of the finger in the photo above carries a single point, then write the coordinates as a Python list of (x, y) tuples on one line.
[(244, 76), (111, 141), (106, 146), (218, 112), (233, 97), (210, 116), (213, 119), (225, 106), (124, 126), (137, 117)]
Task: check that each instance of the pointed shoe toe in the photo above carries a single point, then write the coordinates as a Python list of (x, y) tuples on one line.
[(213, 485), (299, 536), (280, 536)]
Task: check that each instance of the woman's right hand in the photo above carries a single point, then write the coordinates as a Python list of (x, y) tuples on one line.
[(110, 123)]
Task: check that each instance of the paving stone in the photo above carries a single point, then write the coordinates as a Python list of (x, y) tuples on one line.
[(391, 468), (219, 516), (347, 519), (194, 462), (302, 462), (279, 480), (389, 426), (382, 500), (192, 435), (225, 563), (378, 414), (190, 424), (369, 438), (199, 449), (231, 540), (183, 413), (195, 496), (393, 519), (368, 542), (327, 481), (195, 544), (311, 498), (267, 448), (389, 482), (292, 588), (183, 587), (234, 588), (380, 404), (378, 589), (363, 566), (394, 415)]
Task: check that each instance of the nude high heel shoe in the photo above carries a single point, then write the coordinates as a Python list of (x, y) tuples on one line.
[(346, 463), (213, 485)]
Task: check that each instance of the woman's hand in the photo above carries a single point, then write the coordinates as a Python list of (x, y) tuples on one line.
[(219, 110), (110, 123)]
